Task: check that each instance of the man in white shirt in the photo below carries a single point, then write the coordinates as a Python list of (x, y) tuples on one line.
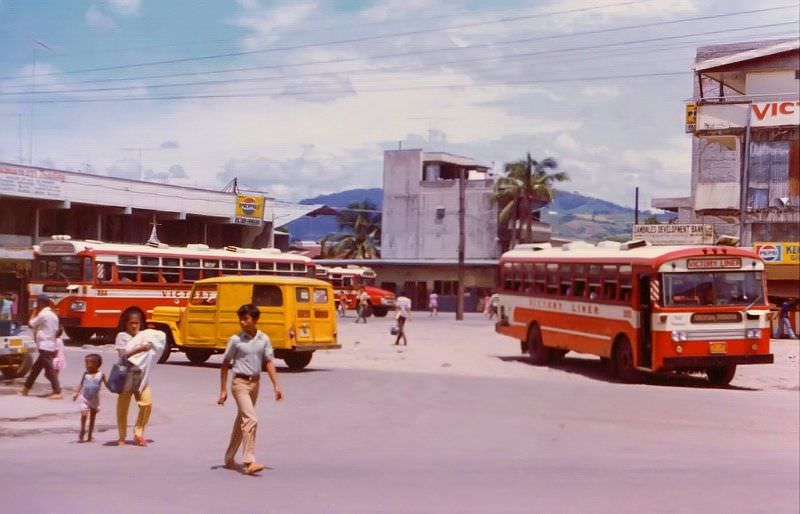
[(403, 315), (44, 323)]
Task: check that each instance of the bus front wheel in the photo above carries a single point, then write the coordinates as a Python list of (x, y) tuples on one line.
[(722, 375), (380, 312), (78, 334), (540, 354), (624, 366)]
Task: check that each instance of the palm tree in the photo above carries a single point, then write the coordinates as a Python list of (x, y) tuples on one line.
[(360, 233), (525, 186)]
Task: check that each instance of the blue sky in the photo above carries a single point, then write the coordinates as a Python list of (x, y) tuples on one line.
[(324, 90)]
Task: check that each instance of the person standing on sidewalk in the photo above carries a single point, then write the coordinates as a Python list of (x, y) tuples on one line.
[(44, 323), (403, 315), (363, 305), (248, 352), (784, 328)]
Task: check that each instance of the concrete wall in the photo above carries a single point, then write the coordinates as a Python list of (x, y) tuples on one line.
[(411, 228)]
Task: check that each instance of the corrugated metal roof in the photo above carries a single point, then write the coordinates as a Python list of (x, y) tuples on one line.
[(749, 55)]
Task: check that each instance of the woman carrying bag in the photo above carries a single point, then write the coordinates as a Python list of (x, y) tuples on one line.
[(140, 350)]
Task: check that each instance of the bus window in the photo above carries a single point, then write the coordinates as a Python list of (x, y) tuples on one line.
[(507, 276), (127, 270), (321, 296), (102, 271), (191, 270), (148, 272), (267, 295), (205, 294), (171, 270), (579, 287), (302, 295), (248, 268), (610, 290), (230, 267), (625, 284), (266, 268), (299, 269), (552, 279), (210, 268), (283, 267), (347, 282)]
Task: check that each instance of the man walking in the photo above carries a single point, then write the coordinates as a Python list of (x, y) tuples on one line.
[(363, 305), (784, 328), (44, 322), (248, 352)]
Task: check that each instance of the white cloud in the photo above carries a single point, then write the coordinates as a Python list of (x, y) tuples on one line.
[(267, 25), (98, 20), (125, 7), (387, 9), (607, 91)]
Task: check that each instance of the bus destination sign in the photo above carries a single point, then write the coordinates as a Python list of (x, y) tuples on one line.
[(724, 263)]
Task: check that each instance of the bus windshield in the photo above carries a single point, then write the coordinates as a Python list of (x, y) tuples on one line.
[(713, 288), (65, 268)]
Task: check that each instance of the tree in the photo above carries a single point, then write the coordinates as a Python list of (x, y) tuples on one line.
[(360, 233), (525, 186)]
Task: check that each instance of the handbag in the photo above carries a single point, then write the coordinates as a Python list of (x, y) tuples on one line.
[(118, 376), (394, 330)]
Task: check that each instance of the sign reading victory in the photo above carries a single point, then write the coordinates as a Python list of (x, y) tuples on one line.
[(249, 209), (675, 234)]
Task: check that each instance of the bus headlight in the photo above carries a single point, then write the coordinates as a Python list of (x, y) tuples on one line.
[(679, 335), (753, 333), (79, 306)]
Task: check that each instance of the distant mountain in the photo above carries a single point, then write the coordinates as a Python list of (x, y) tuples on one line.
[(572, 215), (315, 228)]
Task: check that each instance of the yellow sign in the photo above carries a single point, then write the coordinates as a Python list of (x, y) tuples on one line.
[(249, 209), (691, 116), (779, 253)]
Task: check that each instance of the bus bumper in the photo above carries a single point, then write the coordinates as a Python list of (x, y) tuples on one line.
[(710, 361)]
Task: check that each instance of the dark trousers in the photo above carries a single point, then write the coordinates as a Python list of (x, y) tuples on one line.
[(45, 360)]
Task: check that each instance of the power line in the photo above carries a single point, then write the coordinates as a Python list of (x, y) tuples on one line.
[(402, 67), (387, 36)]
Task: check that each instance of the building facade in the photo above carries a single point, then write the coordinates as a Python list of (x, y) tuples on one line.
[(744, 119)]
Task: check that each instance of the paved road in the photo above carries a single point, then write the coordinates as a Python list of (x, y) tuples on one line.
[(351, 441)]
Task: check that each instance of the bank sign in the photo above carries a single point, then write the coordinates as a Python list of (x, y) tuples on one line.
[(249, 209), (675, 234), (778, 253)]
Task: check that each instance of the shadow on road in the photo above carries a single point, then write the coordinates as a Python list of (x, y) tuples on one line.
[(217, 365), (594, 369)]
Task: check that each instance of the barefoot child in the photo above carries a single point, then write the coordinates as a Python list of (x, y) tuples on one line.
[(89, 391)]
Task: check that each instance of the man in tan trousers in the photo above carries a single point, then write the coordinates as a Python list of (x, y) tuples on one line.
[(248, 352)]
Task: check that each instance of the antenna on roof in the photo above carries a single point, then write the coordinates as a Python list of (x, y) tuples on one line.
[(153, 239)]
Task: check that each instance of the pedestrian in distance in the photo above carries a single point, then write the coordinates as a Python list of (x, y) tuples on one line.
[(784, 328), (403, 315), (341, 306), (142, 352), (433, 304), (247, 354), (45, 325), (494, 305), (89, 393), (363, 305), (6, 306)]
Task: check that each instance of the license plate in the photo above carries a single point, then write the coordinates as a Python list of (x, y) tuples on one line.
[(15, 343), (721, 347)]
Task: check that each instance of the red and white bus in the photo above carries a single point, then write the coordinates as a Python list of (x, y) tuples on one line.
[(638, 307), (95, 284), (348, 280)]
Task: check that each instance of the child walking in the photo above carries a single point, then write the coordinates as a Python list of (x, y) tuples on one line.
[(89, 391)]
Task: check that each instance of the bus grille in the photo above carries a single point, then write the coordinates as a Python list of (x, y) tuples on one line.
[(697, 335)]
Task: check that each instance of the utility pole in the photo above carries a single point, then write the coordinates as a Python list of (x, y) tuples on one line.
[(36, 43), (636, 206), (461, 243)]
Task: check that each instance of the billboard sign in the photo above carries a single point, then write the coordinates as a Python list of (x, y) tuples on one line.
[(779, 253), (31, 182), (675, 234), (249, 209)]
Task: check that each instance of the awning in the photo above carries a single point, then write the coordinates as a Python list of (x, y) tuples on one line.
[(285, 212), (717, 198), (749, 55)]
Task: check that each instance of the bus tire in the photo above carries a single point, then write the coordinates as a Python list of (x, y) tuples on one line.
[(380, 312), (540, 354), (721, 375), (79, 334), (298, 360), (623, 364), (198, 356), (557, 354), (168, 345)]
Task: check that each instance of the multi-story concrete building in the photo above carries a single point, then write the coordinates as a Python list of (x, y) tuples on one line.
[(744, 118)]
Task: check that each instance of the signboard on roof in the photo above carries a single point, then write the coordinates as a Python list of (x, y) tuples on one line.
[(779, 253), (675, 234), (762, 114), (249, 209), (31, 182)]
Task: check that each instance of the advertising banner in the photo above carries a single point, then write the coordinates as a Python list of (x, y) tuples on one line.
[(779, 253), (31, 182), (249, 209), (675, 234)]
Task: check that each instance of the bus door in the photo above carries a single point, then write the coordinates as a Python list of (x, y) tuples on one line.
[(645, 323), (322, 317), (305, 315), (201, 315)]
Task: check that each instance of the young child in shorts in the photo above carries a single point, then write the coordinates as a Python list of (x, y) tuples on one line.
[(89, 392)]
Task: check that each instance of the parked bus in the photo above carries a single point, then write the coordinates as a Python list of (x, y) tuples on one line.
[(348, 280), (638, 307), (95, 284)]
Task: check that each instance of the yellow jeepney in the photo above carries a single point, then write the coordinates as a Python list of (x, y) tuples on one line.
[(297, 314)]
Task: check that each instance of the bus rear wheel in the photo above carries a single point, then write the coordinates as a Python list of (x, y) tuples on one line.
[(298, 360), (198, 356), (540, 354), (623, 364), (721, 375), (380, 312), (79, 334)]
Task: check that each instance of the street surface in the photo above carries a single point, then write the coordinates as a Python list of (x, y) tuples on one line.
[(455, 422)]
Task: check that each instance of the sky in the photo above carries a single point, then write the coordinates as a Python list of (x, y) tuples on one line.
[(300, 98)]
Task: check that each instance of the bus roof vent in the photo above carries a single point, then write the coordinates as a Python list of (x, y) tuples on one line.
[(577, 245), (233, 249), (636, 243), (197, 246), (533, 246), (60, 237), (156, 244), (611, 245)]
